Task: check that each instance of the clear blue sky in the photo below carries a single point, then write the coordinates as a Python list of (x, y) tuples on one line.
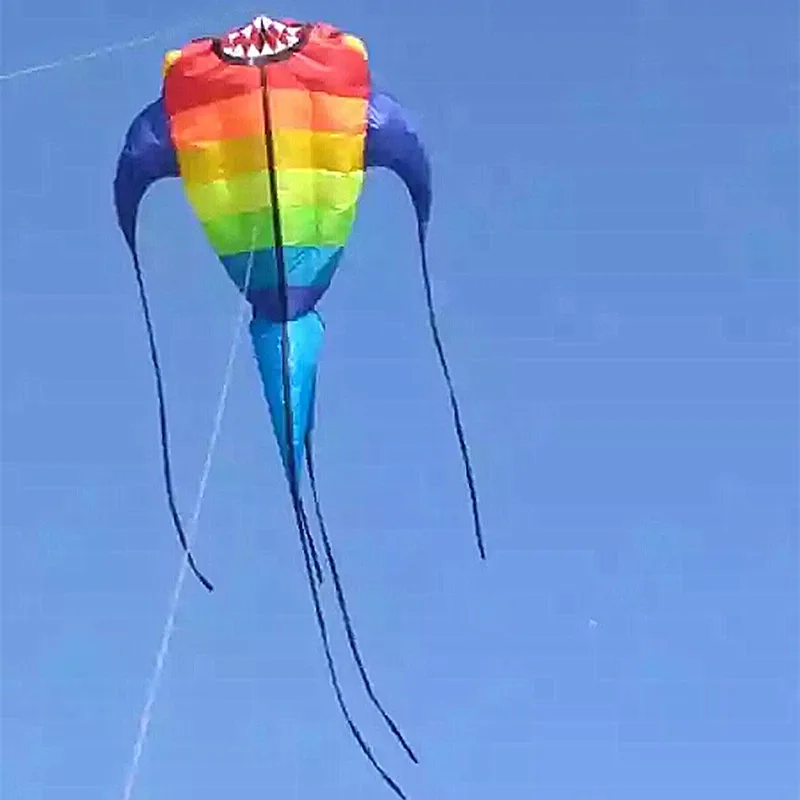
[(615, 250)]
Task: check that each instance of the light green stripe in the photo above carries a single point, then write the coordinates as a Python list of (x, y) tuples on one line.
[(301, 227), (325, 190)]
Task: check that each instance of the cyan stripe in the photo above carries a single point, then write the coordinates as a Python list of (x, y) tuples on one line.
[(305, 267), (305, 342)]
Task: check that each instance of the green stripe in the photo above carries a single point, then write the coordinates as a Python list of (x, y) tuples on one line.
[(300, 226), (325, 189)]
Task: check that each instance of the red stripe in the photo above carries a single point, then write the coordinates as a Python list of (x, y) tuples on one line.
[(201, 78), (324, 64)]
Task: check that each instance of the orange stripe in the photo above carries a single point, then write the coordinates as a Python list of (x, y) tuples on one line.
[(242, 116), (234, 118), (293, 109)]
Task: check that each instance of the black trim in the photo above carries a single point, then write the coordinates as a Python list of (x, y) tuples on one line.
[(459, 426), (162, 420)]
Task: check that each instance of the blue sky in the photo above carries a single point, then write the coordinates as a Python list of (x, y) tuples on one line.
[(615, 250)]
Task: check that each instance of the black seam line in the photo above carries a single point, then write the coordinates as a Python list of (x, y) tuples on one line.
[(282, 289), (283, 295), (302, 526)]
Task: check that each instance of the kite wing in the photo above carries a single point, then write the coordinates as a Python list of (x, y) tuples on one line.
[(393, 143), (147, 156)]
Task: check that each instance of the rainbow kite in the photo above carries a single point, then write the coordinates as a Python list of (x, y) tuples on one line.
[(271, 128)]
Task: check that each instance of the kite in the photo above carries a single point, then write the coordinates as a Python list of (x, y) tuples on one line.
[(271, 128)]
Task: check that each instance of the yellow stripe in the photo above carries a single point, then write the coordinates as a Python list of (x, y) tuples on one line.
[(355, 43), (294, 149), (325, 190), (170, 57)]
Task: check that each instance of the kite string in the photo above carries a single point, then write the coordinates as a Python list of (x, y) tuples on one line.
[(88, 56), (114, 47), (169, 624)]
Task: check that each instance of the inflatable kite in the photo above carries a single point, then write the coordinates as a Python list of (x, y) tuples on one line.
[(271, 129)]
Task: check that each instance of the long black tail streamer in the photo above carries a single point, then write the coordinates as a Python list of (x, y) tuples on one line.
[(162, 419), (453, 401), (315, 559), (306, 541), (351, 637), (305, 537), (307, 545)]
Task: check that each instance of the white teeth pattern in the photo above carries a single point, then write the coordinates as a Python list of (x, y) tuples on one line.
[(289, 34)]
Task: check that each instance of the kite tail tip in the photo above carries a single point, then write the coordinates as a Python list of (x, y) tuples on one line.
[(399, 736), (476, 517), (199, 575)]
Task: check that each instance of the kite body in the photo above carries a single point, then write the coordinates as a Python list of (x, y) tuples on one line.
[(271, 129), (304, 119), (271, 156)]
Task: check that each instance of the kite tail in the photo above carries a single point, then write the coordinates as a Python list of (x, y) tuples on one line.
[(393, 143), (451, 389), (162, 420), (305, 538), (148, 156), (351, 637), (290, 399), (287, 354)]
